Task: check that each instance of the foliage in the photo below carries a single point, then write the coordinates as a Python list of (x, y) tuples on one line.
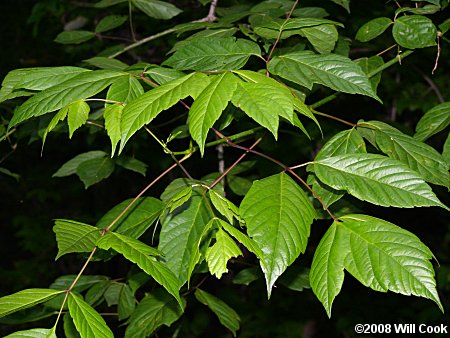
[(241, 89)]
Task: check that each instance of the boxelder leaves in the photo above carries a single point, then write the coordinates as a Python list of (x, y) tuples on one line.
[(414, 31), (376, 179), (181, 233), (213, 54), (95, 170), (331, 70), (78, 87), (110, 22), (434, 121), (88, 322), (209, 105), (220, 253), (74, 236), (370, 30), (379, 254), (77, 115), (227, 316), (157, 308), (278, 215), (70, 167), (33, 333), (25, 299), (139, 253), (74, 37), (145, 108), (417, 155)]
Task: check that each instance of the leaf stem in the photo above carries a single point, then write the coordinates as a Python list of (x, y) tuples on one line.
[(333, 118)]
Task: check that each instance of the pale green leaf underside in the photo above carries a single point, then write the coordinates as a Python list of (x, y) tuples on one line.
[(331, 70), (139, 253), (376, 179), (76, 88), (278, 215), (157, 9), (74, 237), (220, 253), (77, 115), (112, 116), (88, 322), (379, 254), (25, 299), (145, 108), (227, 316), (415, 154), (209, 105)]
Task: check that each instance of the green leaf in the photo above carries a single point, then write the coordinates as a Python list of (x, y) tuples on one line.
[(369, 65), (213, 54), (79, 87), (84, 282), (39, 78), (33, 333), (110, 22), (327, 269), (415, 154), (332, 70), (296, 278), (69, 327), (247, 276), (163, 75), (343, 3), (264, 103), (180, 233), (108, 3), (127, 302), (218, 255), (157, 9), (74, 37), (227, 316), (322, 37), (144, 109), (344, 142), (132, 164), (242, 238), (157, 308), (95, 170), (25, 299), (370, 30), (435, 120), (88, 322), (138, 252), (125, 90), (179, 199), (278, 215), (73, 236), (376, 179), (209, 105), (59, 116), (224, 206), (239, 185), (106, 63), (446, 150), (77, 115), (427, 9), (70, 167), (414, 31), (379, 254), (310, 12), (113, 116)]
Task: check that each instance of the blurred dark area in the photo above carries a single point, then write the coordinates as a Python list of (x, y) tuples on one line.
[(30, 199)]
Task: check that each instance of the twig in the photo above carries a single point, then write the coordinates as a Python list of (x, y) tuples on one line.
[(212, 13), (386, 50), (438, 54), (434, 88)]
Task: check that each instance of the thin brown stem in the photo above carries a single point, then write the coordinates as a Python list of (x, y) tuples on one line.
[(212, 12), (386, 50), (281, 32), (285, 167), (333, 118), (225, 173), (437, 55)]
